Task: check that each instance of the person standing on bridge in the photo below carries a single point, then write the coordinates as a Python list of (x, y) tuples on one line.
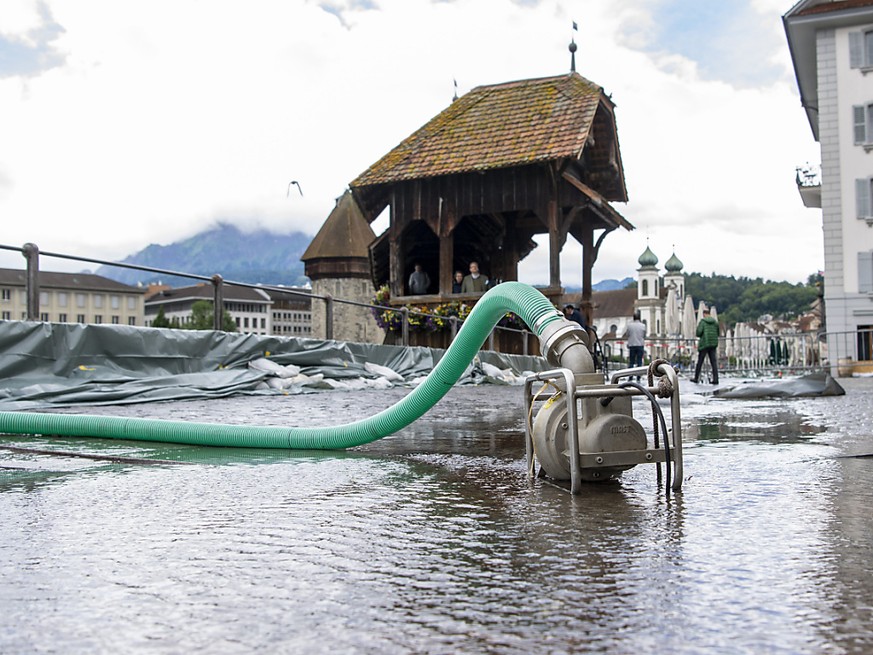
[(419, 282), (475, 282)]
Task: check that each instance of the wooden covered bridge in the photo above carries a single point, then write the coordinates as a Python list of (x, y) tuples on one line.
[(498, 166)]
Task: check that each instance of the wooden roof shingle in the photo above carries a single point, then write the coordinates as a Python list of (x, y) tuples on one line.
[(496, 126)]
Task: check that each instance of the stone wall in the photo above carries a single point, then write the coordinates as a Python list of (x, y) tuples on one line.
[(350, 323)]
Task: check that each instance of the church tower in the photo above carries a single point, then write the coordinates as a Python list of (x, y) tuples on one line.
[(648, 301), (675, 275)]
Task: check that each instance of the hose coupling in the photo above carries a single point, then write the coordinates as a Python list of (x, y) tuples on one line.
[(565, 343)]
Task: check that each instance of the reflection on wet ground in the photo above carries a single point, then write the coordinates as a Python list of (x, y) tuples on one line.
[(433, 541)]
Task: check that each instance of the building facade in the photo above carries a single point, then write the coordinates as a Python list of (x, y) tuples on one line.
[(831, 47), (249, 308), (253, 310), (71, 298)]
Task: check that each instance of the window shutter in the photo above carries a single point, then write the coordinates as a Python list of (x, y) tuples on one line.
[(862, 197), (856, 49), (858, 119), (865, 272)]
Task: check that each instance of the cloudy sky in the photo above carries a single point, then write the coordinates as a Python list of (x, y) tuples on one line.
[(128, 123)]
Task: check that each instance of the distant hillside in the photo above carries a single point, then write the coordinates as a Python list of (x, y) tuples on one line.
[(259, 257), (603, 285), (612, 285)]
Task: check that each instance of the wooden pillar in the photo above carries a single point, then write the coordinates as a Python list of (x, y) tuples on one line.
[(447, 258), (588, 257), (554, 244), (395, 263)]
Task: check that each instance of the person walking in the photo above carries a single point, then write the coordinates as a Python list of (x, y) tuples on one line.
[(474, 282), (707, 345), (419, 281), (635, 335)]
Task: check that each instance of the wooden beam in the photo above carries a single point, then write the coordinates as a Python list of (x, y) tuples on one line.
[(587, 264), (395, 263)]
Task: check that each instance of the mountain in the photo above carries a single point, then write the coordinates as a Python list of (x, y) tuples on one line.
[(612, 285), (603, 285), (258, 257)]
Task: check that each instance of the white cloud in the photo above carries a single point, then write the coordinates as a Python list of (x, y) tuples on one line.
[(169, 116)]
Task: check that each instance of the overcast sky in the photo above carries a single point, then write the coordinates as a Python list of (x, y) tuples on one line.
[(127, 123)]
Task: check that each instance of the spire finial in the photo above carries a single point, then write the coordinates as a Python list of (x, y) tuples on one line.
[(455, 97), (573, 49)]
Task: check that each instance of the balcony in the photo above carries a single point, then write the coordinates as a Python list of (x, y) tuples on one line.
[(809, 185)]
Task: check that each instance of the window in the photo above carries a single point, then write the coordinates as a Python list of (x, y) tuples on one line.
[(645, 287), (116, 320), (98, 318), (114, 302), (6, 294), (865, 342), (865, 272), (80, 301), (62, 298), (131, 320), (43, 298), (864, 198), (861, 49), (98, 301), (62, 317), (80, 318), (44, 317), (7, 316), (131, 304)]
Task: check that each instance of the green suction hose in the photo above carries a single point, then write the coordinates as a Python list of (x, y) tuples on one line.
[(525, 301)]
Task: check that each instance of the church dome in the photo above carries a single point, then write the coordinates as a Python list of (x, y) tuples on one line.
[(673, 264), (648, 258)]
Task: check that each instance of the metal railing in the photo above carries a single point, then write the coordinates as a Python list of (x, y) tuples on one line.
[(747, 355), (32, 255)]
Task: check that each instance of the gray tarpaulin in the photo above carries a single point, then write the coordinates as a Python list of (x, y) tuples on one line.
[(814, 384), (45, 364)]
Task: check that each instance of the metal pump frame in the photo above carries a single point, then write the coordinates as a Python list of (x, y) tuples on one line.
[(574, 393)]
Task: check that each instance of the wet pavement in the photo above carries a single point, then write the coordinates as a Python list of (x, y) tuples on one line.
[(433, 540)]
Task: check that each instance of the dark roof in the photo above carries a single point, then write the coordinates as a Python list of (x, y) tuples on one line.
[(839, 5), (496, 126), (72, 281), (345, 233), (230, 293), (619, 302)]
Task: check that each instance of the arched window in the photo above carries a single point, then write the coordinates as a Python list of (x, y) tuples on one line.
[(645, 287)]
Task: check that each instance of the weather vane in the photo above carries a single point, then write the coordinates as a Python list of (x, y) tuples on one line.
[(573, 48)]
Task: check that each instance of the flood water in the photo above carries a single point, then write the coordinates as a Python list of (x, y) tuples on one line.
[(434, 541)]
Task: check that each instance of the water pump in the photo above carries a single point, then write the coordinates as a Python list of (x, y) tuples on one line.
[(580, 428)]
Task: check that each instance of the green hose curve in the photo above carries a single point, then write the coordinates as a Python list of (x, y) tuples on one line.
[(525, 301)]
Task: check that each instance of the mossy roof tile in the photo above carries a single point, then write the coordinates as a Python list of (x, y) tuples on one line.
[(497, 126)]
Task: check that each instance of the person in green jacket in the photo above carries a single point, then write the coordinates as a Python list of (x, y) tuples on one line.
[(707, 345)]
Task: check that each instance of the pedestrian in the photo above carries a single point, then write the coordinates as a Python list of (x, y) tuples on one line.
[(707, 345), (573, 314), (419, 281), (635, 335), (474, 282), (458, 282)]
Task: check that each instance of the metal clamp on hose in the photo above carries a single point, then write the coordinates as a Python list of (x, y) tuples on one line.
[(565, 343)]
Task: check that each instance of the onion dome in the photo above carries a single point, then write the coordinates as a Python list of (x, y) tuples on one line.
[(673, 264), (648, 258)]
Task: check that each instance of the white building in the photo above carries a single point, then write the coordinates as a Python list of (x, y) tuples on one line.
[(249, 308), (71, 298), (831, 47)]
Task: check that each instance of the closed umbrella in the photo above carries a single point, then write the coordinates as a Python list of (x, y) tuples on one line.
[(689, 323)]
